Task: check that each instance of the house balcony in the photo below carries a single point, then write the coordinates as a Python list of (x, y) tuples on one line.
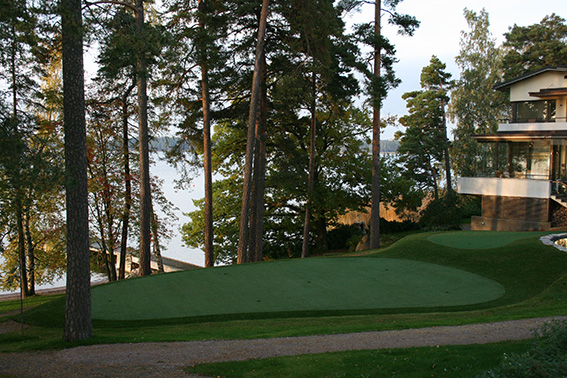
[(532, 125), (505, 187)]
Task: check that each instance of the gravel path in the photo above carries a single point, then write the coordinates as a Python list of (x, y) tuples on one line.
[(167, 359)]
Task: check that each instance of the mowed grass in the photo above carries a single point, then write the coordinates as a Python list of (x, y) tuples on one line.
[(532, 274), (294, 286), (480, 239), (438, 270), (464, 361)]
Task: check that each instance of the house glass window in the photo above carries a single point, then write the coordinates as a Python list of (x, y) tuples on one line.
[(534, 111), (520, 160)]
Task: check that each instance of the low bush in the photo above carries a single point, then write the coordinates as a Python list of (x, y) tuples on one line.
[(547, 358), (447, 212), (345, 236)]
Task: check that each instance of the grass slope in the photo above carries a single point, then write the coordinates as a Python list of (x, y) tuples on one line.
[(321, 284), (533, 275), (480, 239)]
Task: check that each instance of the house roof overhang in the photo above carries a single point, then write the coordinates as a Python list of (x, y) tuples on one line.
[(521, 137), (551, 92), (506, 84)]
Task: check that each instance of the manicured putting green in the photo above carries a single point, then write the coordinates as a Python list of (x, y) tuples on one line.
[(480, 239), (296, 285)]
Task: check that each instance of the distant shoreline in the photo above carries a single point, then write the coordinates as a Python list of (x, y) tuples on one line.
[(49, 291)]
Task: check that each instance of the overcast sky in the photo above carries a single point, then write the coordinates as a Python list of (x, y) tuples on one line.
[(440, 31)]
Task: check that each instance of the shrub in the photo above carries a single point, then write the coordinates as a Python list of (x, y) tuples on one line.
[(345, 236), (446, 213), (442, 214), (546, 359)]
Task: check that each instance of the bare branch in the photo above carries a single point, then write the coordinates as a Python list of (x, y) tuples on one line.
[(115, 2)]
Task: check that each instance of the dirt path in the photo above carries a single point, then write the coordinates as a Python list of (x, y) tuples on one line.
[(167, 359)]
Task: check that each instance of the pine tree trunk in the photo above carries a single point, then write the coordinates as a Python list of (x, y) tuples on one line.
[(103, 244), (157, 247), (17, 171), (311, 176), (321, 241), (208, 229), (127, 184), (22, 249), (78, 318), (111, 240), (259, 172), (145, 190), (375, 206), (446, 152), (30, 256), (246, 187)]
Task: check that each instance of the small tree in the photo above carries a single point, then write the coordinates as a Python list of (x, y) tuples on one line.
[(380, 78), (475, 106), (425, 145)]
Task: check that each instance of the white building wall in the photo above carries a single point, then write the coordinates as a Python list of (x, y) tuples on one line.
[(506, 187), (521, 91)]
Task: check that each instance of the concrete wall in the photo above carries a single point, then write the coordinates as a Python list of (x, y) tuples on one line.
[(534, 126), (508, 187), (496, 224)]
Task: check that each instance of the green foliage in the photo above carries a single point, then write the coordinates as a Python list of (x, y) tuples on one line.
[(475, 106), (344, 237), (530, 48), (341, 185), (377, 86), (447, 212), (31, 166), (546, 358), (424, 142), (394, 227), (442, 214)]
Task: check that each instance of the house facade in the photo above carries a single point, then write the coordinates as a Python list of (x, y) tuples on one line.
[(522, 173)]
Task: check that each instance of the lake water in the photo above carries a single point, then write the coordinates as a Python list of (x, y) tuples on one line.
[(183, 200)]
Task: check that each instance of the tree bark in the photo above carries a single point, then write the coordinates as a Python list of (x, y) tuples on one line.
[(78, 318), (145, 190), (157, 247), (257, 219), (30, 256), (246, 187), (22, 247), (208, 229), (446, 151), (111, 236), (311, 176), (17, 171), (127, 184), (375, 207)]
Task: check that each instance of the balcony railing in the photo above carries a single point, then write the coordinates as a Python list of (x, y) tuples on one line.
[(532, 120)]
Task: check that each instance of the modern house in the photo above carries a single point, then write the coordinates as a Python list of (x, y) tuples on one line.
[(523, 168)]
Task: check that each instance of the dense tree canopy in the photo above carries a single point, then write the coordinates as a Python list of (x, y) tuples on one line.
[(530, 48), (284, 103)]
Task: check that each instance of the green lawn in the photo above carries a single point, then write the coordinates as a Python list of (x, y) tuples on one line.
[(440, 362), (480, 239), (294, 286), (533, 276)]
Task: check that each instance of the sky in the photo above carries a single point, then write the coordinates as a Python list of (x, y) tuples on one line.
[(440, 32)]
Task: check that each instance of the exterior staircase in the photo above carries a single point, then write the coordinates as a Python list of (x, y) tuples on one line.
[(560, 199), (559, 192)]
